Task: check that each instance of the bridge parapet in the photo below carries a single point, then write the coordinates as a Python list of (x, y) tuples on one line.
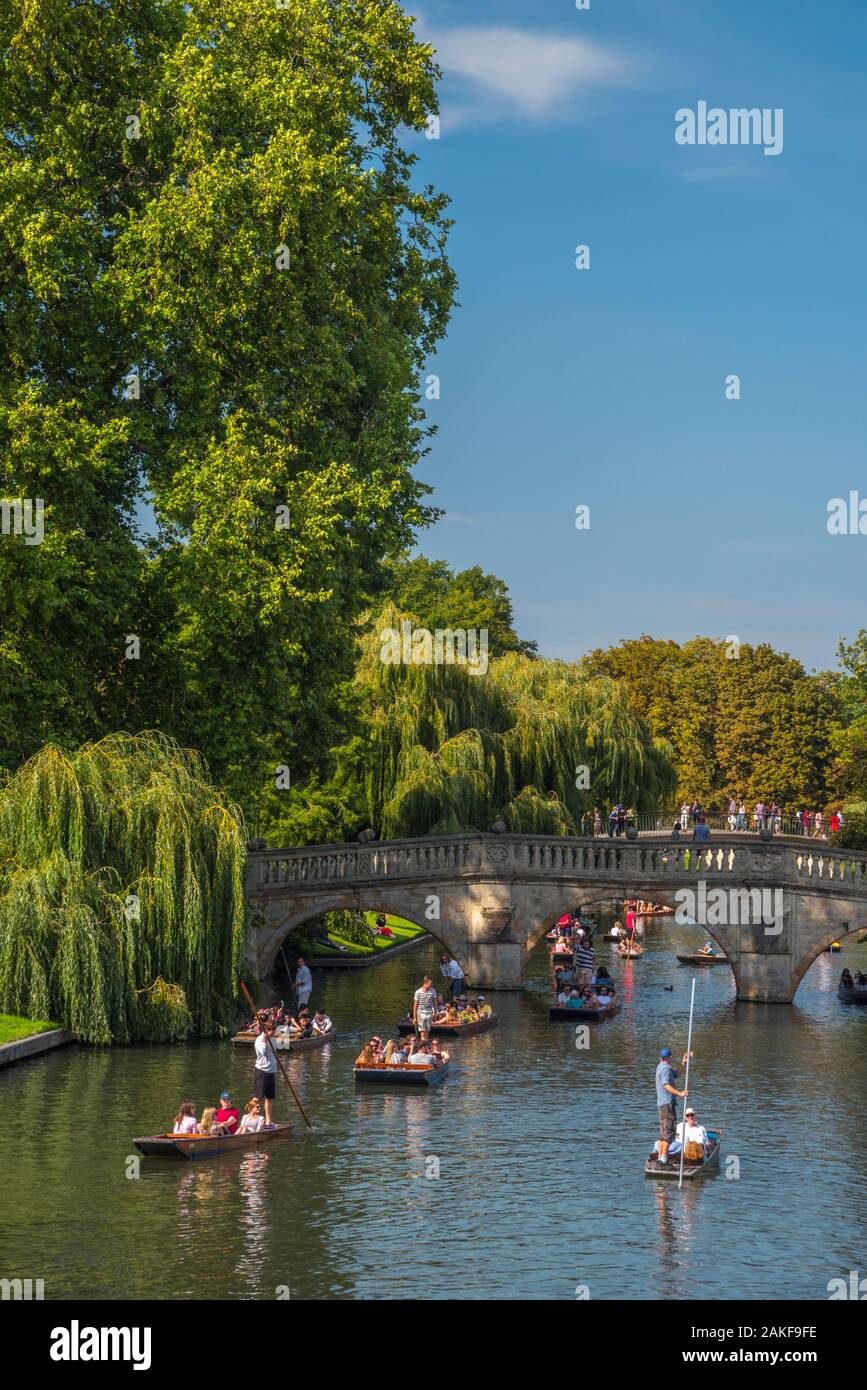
[(652, 863)]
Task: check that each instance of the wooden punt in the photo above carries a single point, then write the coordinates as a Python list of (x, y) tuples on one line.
[(696, 958), (561, 1013), (852, 996), (405, 1075), (691, 1169), (632, 953), (195, 1146), (284, 1044), (452, 1030)]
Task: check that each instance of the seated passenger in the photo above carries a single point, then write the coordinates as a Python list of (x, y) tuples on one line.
[(438, 1052), (378, 1047), (707, 948), (321, 1022), (185, 1120), (603, 998), (452, 1015), (484, 1009), (563, 997), (391, 1047), (251, 1120), (365, 1057), (422, 1056), (574, 1001), (227, 1116), (206, 1123), (846, 980), (301, 1026)]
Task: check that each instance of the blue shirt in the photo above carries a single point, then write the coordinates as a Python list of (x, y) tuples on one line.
[(666, 1075), (701, 833)]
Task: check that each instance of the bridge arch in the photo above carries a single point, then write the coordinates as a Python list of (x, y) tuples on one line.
[(272, 935), (498, 894)]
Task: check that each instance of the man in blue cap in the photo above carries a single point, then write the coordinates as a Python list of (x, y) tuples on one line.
[(666, 1102)]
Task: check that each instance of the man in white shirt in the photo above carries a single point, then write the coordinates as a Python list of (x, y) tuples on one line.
[(264, 1076), (303, 982), (695, 1133), (321, 1022), (452, 972), (422, 1058)]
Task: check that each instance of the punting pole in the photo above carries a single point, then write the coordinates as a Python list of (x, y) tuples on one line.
[(289, 973), (686, 1083), (277, 1058)]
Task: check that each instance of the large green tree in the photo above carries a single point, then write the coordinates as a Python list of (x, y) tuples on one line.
[(470, 598), (743, 720), (218, 286)]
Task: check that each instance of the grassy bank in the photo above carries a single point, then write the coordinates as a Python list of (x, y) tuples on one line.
[(13, 1028), (403, 931)]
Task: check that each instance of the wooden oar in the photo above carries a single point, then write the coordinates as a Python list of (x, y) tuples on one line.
[(686, 1084), (277, 1059)]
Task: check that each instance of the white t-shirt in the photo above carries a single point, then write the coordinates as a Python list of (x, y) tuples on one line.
[(265, 1059), (250, 1124), (695, 1134), (188, 1125), (322, 1025), (421, 1059), (563, 997)]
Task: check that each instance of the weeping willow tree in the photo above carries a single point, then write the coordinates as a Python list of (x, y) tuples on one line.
[(121, 891), (450, 751)]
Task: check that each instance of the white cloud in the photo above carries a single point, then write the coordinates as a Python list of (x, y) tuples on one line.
[(532, 75)]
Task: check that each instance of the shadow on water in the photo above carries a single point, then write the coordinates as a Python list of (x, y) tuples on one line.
[(539, 1147)]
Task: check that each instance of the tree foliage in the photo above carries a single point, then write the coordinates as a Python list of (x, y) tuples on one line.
[(754, 725), (441, 598), (441, 750), (218, 286), (121, 891)]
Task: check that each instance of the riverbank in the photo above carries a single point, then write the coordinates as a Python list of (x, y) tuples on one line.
[(21, 1038)]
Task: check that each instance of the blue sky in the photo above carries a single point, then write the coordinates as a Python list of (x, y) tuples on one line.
[(606, 387)]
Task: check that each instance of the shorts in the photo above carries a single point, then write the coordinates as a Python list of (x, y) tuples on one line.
[(666, 1123), (264, 1084), (423, 1022)]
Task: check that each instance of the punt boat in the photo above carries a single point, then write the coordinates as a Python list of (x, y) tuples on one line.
[(451, 1030), (401, 1075), (561, 1013), (286, 1044), (697, 958), (691, 1168), (194, 1146), (852, 996)]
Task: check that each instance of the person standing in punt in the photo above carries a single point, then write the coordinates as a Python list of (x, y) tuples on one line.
[(423, 1005), (303, 982), (265, 1070), (585, 957), (666, 1101)]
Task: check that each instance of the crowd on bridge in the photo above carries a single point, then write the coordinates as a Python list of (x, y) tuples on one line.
[(764, 815)]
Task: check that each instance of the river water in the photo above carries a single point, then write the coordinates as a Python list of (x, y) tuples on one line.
[(540, 1152)]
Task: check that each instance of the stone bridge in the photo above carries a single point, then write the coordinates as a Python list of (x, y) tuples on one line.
[(490, 898)]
